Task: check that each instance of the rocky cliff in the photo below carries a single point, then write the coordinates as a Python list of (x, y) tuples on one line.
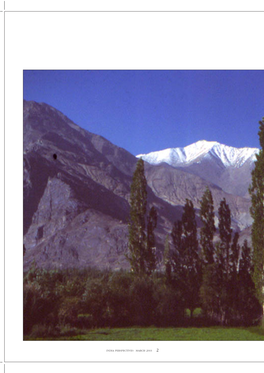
[(76, 194)]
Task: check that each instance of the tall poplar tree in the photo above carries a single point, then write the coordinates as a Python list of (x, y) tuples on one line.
[(208, 229), (225, 231), (167, 259), (138, 208), (249, 308), (209, 287), (256, 191), (141, 237), (186, 261), (151, 261), (224, 259)]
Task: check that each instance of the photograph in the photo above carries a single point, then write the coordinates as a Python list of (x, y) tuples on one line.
[(143, 205)]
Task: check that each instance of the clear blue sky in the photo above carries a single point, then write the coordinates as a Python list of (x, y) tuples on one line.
[(145, 111)]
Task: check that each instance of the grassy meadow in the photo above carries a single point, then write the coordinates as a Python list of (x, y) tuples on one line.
[(254, 333)]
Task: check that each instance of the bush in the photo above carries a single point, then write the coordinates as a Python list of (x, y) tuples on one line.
[(44, 331), (40, 299), (143, 303), (95, 301), (39, 307), (169, 305), (119, 299), (69, 310)]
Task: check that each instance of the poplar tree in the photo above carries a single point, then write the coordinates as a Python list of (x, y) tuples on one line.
[(167, 259), (151, 262), (186, 261), (178, 254), (249, 308), (233, 281), (234, 257), (138, 208), (225, 231), (256, 191), (224, 259), (208, 229), (209, 287), (142, 256)]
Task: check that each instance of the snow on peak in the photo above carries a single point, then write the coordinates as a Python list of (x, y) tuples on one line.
[(194, 153)]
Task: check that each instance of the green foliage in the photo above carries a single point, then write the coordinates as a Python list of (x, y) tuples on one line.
[(68, 311), (141, 243), (256, 191), (54, 306), (40, 299), (44, 331), (234, 256), (186, 262), (177, 239), (143, 301), (229, 298), (167, 260), (119, 298), (208, 229), (151, 244), (95, 301), (169, 309), (249, 307), (138, 208), (210, 292), (190, 240), (227, 292), (225, 231), (223, 260)]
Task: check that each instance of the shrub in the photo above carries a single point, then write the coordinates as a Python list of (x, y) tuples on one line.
[(44, 331), (95, 301), (169, 309), (119, 299), (39, 307), (143, 303), (69, 310)]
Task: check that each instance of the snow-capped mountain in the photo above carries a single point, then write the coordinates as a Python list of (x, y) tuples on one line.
[(194, 153), (225, 166)]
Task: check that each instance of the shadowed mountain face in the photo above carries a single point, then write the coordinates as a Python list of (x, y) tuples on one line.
[(77, 190)]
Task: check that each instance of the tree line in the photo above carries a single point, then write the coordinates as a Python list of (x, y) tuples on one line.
[(213, 276), (223, 278)]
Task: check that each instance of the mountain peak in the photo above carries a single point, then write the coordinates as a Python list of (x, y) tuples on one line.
[(196, 152)]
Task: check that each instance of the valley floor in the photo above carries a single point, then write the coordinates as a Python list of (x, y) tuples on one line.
[(165, 334)]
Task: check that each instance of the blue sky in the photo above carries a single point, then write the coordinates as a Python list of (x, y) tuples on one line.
[(144, 111)]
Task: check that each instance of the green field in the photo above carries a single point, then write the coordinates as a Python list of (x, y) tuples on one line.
[(168, 334)]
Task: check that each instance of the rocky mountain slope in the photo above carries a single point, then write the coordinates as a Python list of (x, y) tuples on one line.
[(175, 185), (76, 194), (77, 190)]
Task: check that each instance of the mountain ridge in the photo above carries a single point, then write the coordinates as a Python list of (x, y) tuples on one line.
[(230, 156), (227, 167)]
